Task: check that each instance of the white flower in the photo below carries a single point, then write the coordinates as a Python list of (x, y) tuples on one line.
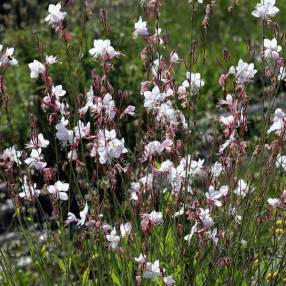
[(83, 215), (63, 134), (58, 91), (152, 270), (272, 49), (36, 160), (214, 196), (281, 162), (140, 28), (217, 169), (153, 98), (81, 131), (50, 60), (265, 9), (169, 281), (134, 190), (279, 120), (154, 217), (103, 50), (38, 142), (59, 189), (125, 229), (141, 259), (71, 218), (130, 110), (243, 189), (189, 237), (213, 235), (274, 202), (113, 239), (234, 214), (206, 218), (7, 58), (244, 72), (174, 58), (11, 155), (282, 73), (36, 68), (30, 190), (56, 15), (193, 81), (109, 147)]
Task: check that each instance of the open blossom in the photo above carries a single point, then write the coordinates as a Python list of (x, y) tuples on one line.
[(265, 9), (50, 60), (281, 162), (59, 189), (36, 160), (30, 190), (169, 280), (38, 142), (274, 202), (272, 49), (141, 259), (243, 189), (189, 237), (134, 191), (152, 219), (155, 147), (194, 81), (11, 155), (7, 58), (244, 72), (152, 270), (153, 98), (56, 16), (125, 229), (205, 217), (83, 215), (103, 50), (36, 68), (63, 134), (279, 122), (108, 146), (113, 239), (214, 196), (140, 28), (129, 110)]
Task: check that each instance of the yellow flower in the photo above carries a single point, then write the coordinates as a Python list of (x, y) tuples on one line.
[(279, 231), (279, 222), (271, 275)]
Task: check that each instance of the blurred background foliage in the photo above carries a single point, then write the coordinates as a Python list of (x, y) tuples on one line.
[(232, 28)]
